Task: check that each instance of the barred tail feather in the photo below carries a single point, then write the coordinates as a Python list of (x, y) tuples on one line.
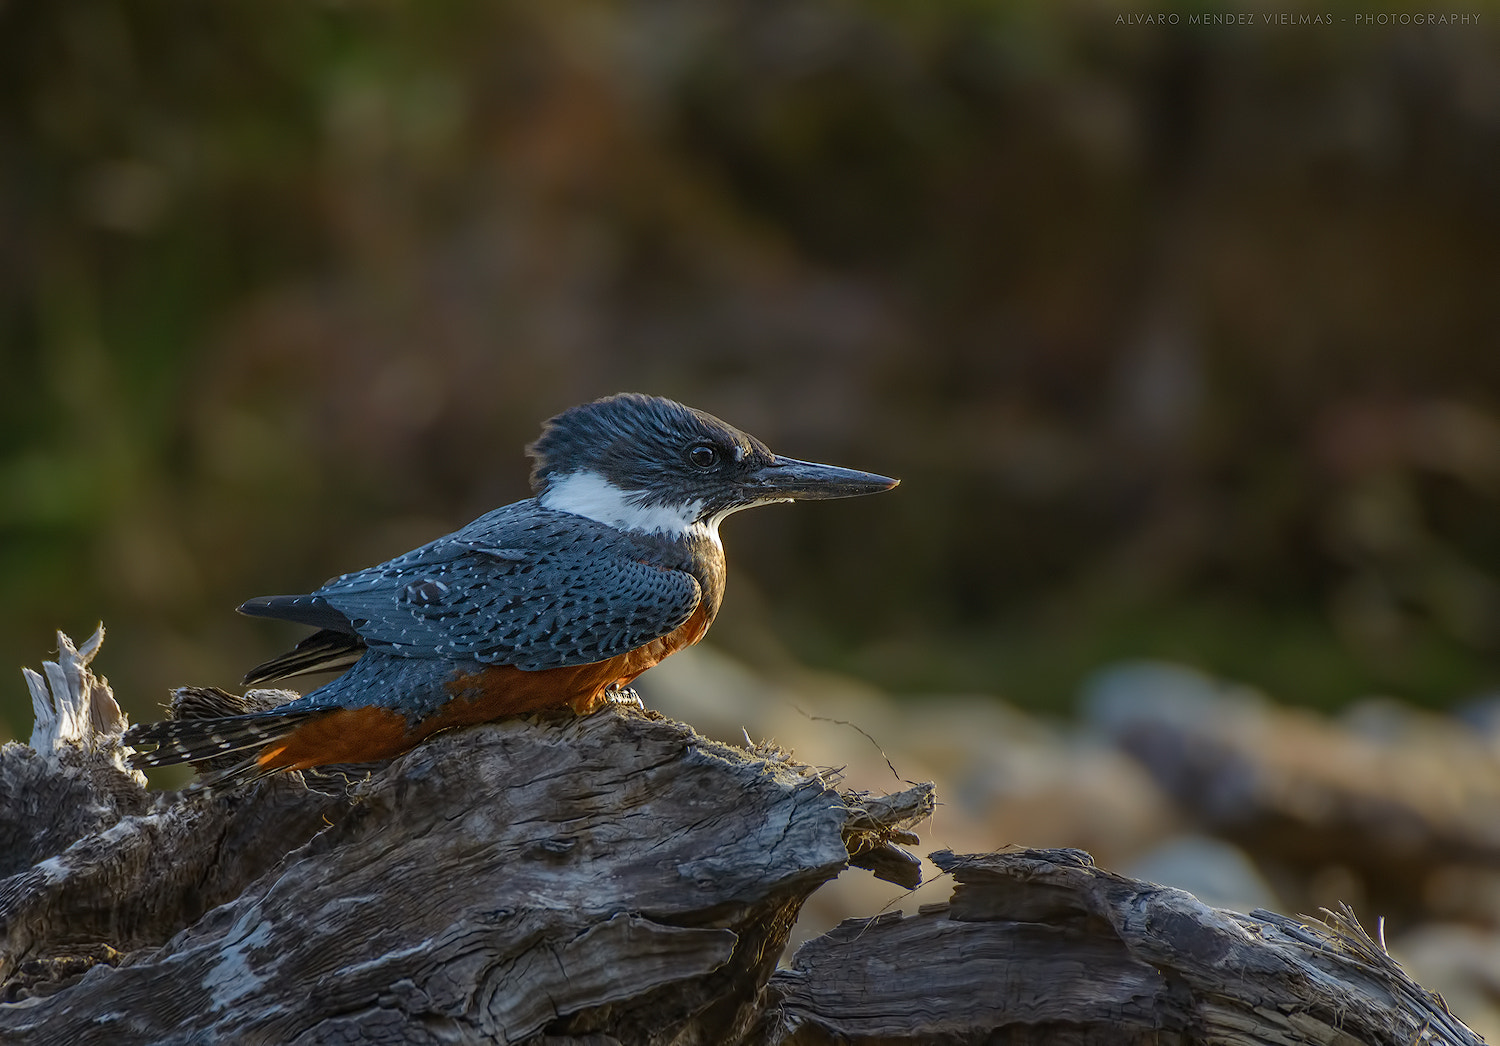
[(198, 740)]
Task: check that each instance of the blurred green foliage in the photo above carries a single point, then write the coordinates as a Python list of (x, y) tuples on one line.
[(1183, 338)]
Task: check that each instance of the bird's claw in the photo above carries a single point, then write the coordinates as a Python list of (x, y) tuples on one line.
[(623, 695)]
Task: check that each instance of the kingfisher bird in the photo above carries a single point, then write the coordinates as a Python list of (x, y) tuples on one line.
[(557, 601)]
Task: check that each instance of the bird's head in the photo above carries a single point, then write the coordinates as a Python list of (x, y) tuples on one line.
[(650, 464)]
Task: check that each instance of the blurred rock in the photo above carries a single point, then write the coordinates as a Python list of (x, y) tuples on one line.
[(1388, 795), (1461, 964), (1005, 778), (1210, 869)]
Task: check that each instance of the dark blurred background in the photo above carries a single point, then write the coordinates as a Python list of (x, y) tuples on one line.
[(1183, 338)]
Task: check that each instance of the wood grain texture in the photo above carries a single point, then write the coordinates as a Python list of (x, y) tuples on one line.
[(69, 780), (1040, 946), (492, 883)]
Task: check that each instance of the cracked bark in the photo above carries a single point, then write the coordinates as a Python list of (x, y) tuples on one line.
[(610, 879)]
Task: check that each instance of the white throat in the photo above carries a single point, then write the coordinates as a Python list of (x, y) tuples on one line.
[(590, 494)]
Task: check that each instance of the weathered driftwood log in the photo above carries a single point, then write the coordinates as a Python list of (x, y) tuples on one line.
[(1045, 946), (614, 872), (95, 864), (610, 879)]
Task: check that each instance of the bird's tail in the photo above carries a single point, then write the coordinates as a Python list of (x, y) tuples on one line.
[(202, 740)]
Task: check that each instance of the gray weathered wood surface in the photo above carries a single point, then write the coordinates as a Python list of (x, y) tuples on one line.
[(610, 879), (1043, 942)]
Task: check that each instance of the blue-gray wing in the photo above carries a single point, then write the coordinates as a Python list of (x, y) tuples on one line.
[(520, 586)]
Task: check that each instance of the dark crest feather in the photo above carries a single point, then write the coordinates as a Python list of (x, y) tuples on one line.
[(628, 429)]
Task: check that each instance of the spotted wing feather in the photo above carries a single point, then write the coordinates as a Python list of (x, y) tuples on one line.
[(520, 586)]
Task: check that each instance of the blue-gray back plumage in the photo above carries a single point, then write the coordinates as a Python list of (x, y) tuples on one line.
[(522, 585)]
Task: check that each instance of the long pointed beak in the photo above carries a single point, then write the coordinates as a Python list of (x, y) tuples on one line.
[(809, 481)]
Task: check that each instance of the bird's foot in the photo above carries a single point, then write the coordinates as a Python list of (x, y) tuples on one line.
[(623, 695)]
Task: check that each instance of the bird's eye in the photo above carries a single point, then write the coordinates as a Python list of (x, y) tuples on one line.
[(703, 456)]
